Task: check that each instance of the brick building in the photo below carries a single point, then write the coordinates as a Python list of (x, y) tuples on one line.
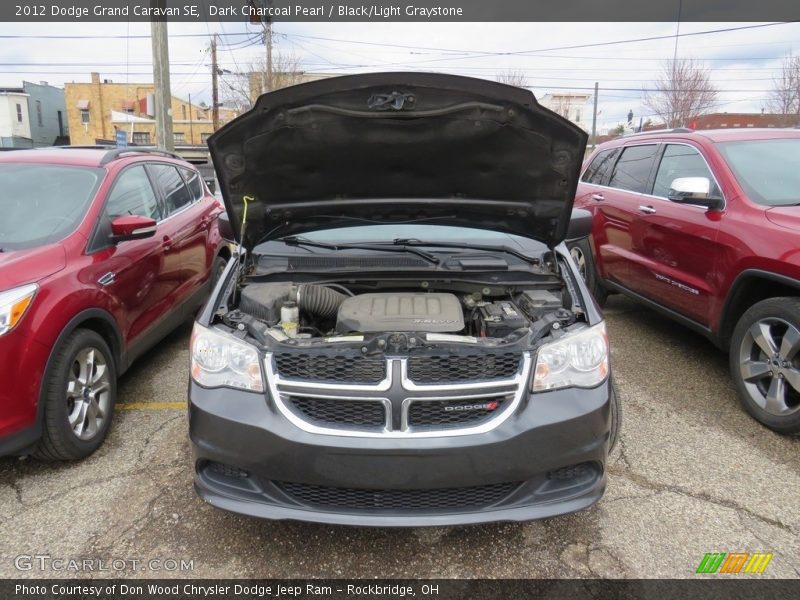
[(97, 109), (744, 120)]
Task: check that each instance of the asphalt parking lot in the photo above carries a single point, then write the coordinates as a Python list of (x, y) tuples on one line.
[(692, 474)]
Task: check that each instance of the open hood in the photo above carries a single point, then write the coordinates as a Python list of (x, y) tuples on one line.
[(398, 147)]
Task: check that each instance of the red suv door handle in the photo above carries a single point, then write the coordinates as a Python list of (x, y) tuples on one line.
[(166, 243), (648, 210), (598, 197)]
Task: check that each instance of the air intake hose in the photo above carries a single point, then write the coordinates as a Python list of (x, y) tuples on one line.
[(319, 300)]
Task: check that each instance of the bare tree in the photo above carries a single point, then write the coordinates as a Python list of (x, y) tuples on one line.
[(512, 77), (561, 105), (241, 90), (784, 99), (684, 91)]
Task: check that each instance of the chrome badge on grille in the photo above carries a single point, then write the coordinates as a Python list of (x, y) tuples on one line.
[(482, 406)]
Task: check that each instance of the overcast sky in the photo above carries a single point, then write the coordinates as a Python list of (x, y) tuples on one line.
[(743, 63)]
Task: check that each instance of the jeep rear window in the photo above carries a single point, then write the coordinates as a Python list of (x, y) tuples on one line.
[(768, 170), (632, 171), (597, 172), (42, 204)]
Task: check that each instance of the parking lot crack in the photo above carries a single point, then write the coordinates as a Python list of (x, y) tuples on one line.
[(155, 432), (46, 499), (136, 526), (660, 488), (17, 491)]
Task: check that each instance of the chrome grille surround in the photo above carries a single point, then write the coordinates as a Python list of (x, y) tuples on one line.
[(397, 392)]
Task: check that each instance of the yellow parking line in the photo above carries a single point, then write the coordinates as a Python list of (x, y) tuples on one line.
[(152, 406)]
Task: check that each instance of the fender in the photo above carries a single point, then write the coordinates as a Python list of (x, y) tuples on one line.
[(117, 348), (741, 279)]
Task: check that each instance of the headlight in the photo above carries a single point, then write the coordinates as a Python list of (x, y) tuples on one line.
[(579, 359), (14, 304), (221, 360)]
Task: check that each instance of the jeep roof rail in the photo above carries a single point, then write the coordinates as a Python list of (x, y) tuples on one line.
[(118, 152), (660, 131), (82, 147)]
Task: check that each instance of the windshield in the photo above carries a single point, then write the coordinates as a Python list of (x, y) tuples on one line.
[(442, 234), (768, 170), (41, 204)]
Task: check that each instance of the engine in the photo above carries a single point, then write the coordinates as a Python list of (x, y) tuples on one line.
[(311, 310), (374, 313)]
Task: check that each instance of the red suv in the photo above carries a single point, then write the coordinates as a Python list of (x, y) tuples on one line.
[(705, 227), (102, 253)]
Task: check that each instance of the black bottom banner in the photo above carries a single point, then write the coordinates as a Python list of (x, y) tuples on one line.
[(444, 589)]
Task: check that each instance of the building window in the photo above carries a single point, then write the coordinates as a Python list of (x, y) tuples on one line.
[(183, 108), (39, 113), (577, 115), (19, 113), (204, 137), (179, 137), (141, 137), (84, 116)]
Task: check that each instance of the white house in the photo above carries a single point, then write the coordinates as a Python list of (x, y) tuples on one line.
[(572, 105), (15, 124)]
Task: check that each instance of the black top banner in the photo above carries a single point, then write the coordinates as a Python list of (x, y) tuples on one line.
[(400, 10)]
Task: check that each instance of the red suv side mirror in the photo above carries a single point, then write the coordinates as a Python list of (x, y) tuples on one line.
[(132, 227)]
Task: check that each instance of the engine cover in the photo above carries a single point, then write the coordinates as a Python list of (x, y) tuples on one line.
[(374, 313)]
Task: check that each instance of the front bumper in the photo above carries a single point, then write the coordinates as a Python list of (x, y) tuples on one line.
[(547, 459), (24, 360)]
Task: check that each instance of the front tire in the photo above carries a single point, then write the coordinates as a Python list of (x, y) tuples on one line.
[(765, 363), (79, 397), (581, 252)]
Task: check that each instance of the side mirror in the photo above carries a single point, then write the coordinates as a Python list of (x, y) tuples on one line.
[(132, 227), (693, 190), (580, 224), (225, 227)]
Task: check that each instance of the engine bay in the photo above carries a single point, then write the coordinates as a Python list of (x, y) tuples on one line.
[(329, 312)]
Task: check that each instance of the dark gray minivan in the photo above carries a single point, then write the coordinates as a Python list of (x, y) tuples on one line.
[(403, 339)]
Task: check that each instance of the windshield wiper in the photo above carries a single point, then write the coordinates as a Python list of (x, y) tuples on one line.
[(301, 241), (407, 242)]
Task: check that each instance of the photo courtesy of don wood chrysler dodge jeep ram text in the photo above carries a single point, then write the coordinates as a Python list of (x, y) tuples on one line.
[(404, 339)]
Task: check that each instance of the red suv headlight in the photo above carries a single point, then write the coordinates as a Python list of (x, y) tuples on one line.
[(14, 304)]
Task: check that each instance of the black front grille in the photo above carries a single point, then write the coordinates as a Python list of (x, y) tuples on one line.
[(455, 368), (341, 369), (227, 471), (404, 500), (340, 412), (453, 413)]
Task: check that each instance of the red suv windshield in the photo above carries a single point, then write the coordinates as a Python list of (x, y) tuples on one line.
[(41, 204), (768, 170)]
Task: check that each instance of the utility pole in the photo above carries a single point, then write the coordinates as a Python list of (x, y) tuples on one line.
[(268, 42), (214, 84), (594, 115), (191, 110), (163, 93)]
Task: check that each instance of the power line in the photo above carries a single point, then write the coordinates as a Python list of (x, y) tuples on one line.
[(474, 54), (115, 37)]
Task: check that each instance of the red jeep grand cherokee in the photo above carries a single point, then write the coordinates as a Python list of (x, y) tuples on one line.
[(102, 253), (705, 227)]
